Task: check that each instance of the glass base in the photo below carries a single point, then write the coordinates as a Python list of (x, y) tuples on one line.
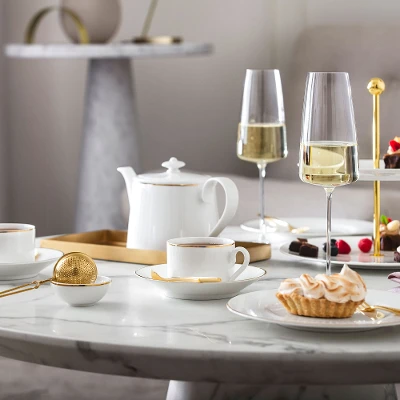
[(255, 225)]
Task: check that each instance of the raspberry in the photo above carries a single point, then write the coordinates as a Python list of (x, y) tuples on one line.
[(344, 247), (365, 245), (394, 145)]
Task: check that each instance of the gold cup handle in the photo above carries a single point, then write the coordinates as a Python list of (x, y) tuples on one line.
[(36, 19)]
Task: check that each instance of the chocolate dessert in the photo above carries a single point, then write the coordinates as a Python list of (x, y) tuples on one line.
[(390, 235), (308, 250), (392, 158), (390, 243), (296, 244)]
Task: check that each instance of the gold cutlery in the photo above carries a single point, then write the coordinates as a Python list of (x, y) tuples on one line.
[(365, 307), (157, 277)]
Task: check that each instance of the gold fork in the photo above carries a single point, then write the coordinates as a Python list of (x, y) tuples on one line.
[(368, 308)]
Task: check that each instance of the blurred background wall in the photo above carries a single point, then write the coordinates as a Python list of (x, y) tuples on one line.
[(188, 107)]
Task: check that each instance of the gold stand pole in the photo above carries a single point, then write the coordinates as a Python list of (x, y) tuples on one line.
[(376, 86)]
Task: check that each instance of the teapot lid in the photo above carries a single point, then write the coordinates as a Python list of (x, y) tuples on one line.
[(173, 176)]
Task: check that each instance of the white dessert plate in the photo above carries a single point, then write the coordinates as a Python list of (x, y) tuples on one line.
[(368, 173), (17, 271), (263, 306), (317, 227), (201, 291), (356, 259)]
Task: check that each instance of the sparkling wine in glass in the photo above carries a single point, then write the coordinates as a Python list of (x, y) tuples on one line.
[(328, 148), (262, 129)]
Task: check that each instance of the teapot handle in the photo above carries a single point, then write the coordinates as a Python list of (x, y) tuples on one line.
[(231, 202)]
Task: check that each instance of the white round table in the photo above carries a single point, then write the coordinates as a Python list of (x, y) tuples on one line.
[(111, 137), (134, 331)]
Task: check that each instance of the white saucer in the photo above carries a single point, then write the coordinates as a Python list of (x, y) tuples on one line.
[(356, 259), (264, 306), (340, 227), (12, 272), (201, 291)]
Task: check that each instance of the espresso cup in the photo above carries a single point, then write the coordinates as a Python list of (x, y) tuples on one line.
[(17, 243), (204, 257)]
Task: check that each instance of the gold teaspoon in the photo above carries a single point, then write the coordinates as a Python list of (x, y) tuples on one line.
[(157, 277)]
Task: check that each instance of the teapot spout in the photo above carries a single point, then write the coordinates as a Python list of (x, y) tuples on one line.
[(128, 174)]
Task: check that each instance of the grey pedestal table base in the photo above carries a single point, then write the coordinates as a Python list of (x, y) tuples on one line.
[(110, 140)]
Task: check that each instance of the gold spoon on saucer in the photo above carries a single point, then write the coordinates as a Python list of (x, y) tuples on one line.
[(157, 277), (368, 308)]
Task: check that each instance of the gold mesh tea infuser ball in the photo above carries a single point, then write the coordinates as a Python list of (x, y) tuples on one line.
[(73, 268)]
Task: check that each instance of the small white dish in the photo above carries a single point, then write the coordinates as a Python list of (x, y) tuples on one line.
[(317, 227), (356, 259), (82, 295), (201, 291), (264, 306), (11, 272)]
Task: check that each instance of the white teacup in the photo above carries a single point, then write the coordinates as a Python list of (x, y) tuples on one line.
[(17, 243), (204, 257)]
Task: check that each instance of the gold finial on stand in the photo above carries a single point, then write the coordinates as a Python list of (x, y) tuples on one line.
[(376, 86)]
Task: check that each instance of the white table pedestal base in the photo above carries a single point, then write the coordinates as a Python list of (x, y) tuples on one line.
[(110, 140), (213, 391)]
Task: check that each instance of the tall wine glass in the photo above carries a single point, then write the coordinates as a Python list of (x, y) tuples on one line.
[(262, 129), (328, 148)]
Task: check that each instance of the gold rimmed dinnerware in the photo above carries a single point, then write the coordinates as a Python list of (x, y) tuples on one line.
[(192, 290), (263, 306)]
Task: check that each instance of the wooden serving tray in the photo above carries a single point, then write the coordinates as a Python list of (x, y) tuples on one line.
[(110, 245)]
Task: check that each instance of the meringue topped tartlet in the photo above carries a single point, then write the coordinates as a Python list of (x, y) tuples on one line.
[(333, 296)]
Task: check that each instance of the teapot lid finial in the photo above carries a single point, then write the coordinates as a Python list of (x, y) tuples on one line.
[(173, 164), (173, 175)]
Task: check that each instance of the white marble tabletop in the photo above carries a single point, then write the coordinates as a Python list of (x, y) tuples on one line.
[(134, 331), (112, 50)]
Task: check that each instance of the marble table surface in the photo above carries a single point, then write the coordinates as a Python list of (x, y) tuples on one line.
[(113, 50), (134, 331)]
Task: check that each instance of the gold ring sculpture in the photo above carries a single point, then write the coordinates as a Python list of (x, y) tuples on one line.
[(36, 19), (376, 86)]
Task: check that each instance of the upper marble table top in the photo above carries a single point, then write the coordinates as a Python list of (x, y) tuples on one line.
[(113, 50), (135, 331)]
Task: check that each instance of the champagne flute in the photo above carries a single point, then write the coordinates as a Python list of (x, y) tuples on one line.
[(328, 148), (262, 129)]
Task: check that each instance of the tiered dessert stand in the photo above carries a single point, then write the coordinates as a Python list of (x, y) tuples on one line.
[(373, 170)]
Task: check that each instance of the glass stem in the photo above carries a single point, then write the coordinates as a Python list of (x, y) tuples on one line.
[(329, 192), (261, 169)]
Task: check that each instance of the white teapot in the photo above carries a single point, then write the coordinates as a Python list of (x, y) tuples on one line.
[(175, 204)]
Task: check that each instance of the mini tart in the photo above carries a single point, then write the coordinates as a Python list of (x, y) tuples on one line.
[(321, 308)]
